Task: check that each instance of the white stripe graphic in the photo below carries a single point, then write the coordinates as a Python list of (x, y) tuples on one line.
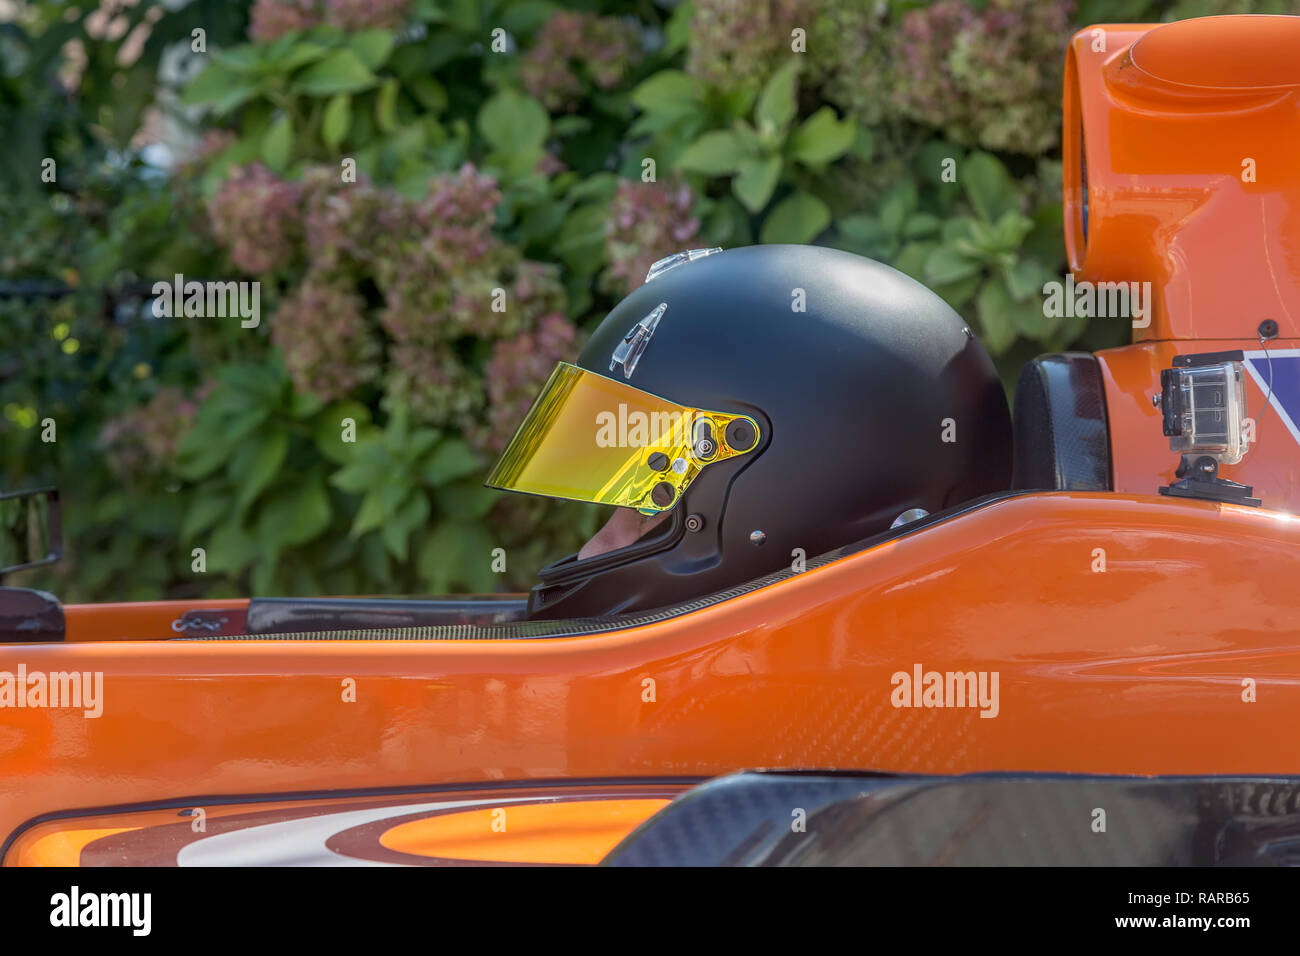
[(302, 842)]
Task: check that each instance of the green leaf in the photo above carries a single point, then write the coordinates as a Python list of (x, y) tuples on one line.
[(727, 224), (714, 154), (337, 119), (205, 509), (374, 558), (668, 91), (219, 87), (677, 31), (936, 159), (525, 16), (234, 97), (294, 514), (372, 46), (957, 294), (513, 123), (327, 430), (241, 424), (340, 72), (412, 447), (1026, 318), (452, 459), (370, 464), (386, 106), (250, 384), (265, 574), (379, 503), (757, 178), (277, 144), (255, 463), (581, 242), (466, 498), (912, 257), (571, 125), (299, 55), (897, 205), (455, 553), (109, 507), (822, 138), (428, 92), (244, 58), (946, 265), (397, 530), (1010, 230), (959, 229), (777, 103), (542, 222), (304, 404), (798, 218), (989, 187), (230, 548), (921, 225), (1026, 278), (196, 457), (864, 143), (862, 227), (747, 140), (997, 325), (215, 435)]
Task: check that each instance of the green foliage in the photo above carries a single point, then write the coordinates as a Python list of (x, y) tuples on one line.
[(703, 129), (757, 152)]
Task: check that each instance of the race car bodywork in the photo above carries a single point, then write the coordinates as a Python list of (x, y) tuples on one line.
[(1080, 623)]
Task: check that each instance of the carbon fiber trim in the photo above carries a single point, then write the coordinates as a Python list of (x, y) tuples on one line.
[(305, 615), (1062, 434), (576, 627), (783, 819)]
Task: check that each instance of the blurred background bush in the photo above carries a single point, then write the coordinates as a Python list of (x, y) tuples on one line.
[(549, 150)]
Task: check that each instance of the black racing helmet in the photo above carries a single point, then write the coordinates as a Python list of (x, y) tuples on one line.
[(771, 398)]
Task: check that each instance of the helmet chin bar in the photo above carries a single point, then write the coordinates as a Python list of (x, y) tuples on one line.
[(604, 583)]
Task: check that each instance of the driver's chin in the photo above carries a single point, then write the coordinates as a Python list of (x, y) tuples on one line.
[(625, 526)]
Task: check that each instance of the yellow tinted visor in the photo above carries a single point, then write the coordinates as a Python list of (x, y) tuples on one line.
[(590, 438)]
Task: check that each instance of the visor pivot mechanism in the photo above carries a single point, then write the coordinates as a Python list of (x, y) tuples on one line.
[(658, 461), (703, 440), (695, 522), (740, 435)]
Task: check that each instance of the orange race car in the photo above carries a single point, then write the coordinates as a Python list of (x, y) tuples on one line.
[(841, 554)]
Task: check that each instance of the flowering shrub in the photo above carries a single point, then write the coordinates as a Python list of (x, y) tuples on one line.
[(574, 51), (988, 78), (321, 330), (272, 19), (439, 202), (255, 214), (518, 369), (142, 441), (741, 42), (646, 220)]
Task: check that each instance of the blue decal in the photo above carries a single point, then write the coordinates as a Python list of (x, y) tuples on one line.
[(1286, 383)]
